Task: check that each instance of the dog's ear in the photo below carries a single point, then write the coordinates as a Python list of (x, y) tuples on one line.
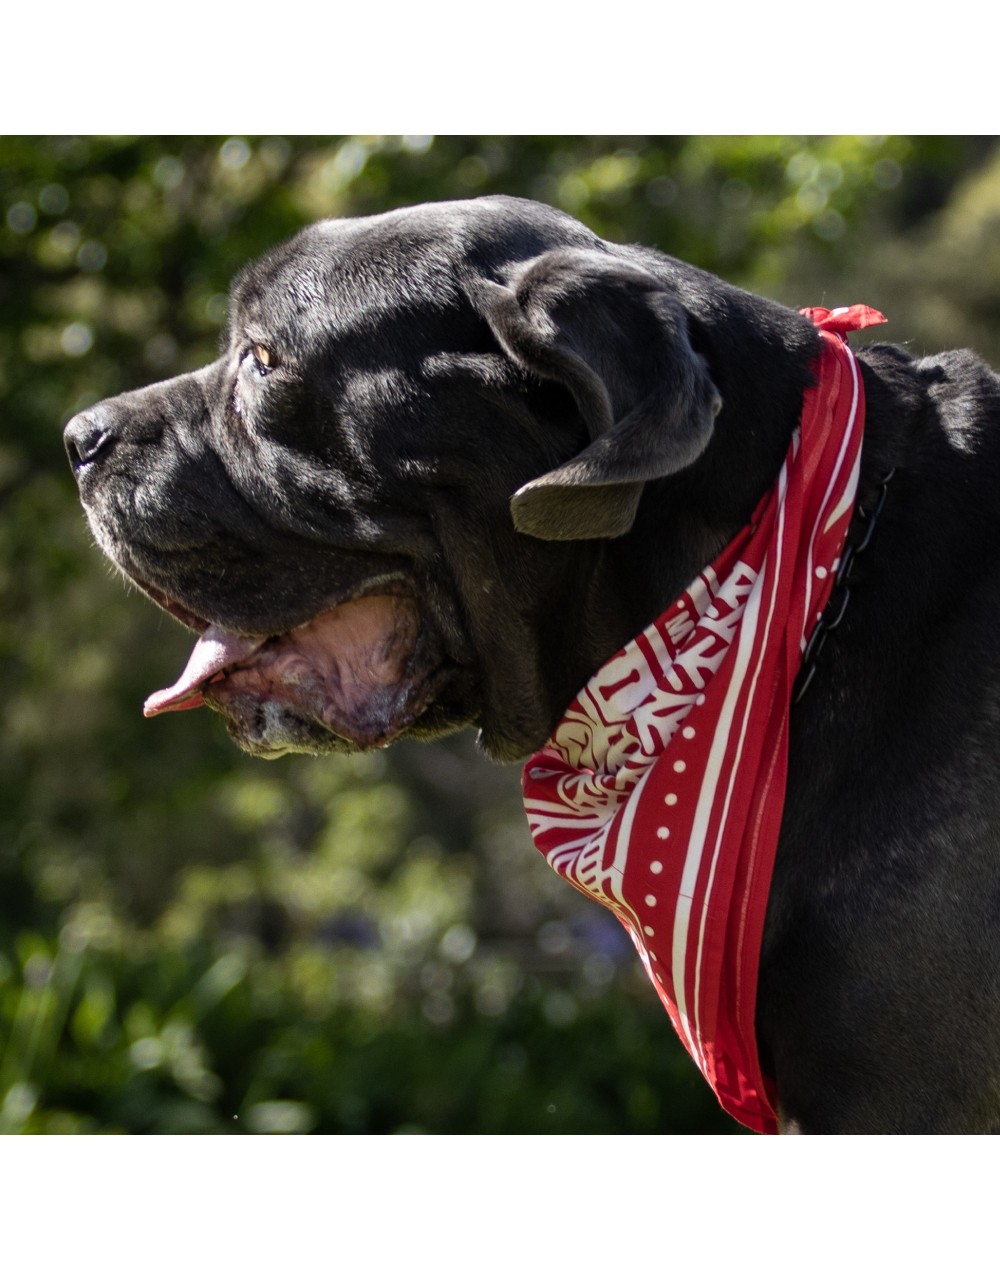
[(616, 337)]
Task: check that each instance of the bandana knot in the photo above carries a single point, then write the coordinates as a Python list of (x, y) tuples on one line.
[(661, 790)]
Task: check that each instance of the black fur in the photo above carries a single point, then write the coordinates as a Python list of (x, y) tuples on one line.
[(487, 410)]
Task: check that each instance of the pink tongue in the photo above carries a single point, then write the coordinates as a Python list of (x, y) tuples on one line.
[(216, 649)]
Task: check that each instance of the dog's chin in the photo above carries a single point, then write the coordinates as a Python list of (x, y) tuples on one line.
[(300, 717), (355, 677)]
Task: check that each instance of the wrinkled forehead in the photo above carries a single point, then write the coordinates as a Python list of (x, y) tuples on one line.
[(359, 274), (344, 277)]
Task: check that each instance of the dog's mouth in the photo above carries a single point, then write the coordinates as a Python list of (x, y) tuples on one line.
[(354, 677)]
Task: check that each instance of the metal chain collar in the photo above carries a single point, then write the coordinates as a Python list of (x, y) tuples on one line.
[(836, 607)]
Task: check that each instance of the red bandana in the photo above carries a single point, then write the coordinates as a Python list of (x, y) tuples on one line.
[(660, 793)]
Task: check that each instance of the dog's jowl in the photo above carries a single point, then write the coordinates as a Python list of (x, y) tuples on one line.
[(727, 587)]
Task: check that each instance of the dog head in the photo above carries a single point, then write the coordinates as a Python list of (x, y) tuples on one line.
[(383, 505)]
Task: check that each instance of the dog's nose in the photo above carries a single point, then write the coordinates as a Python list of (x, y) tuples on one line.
[(87, 436)]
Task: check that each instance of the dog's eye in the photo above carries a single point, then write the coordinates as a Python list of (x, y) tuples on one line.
[(264, 359)]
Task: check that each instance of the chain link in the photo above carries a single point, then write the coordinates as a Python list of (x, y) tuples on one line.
[(836, 607)]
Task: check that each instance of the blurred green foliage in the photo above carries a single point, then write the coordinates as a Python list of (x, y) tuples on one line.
[(191, 941)]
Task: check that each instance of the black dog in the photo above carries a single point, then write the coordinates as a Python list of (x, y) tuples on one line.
[(329, 505)]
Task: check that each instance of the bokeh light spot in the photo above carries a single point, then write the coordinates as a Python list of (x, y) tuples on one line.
[(92, 256), (169, 172), (234, 153), (65, 237), (54, 199), (887, 174), (829, 224), (76, 339), (458, 943), (21, 218)]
